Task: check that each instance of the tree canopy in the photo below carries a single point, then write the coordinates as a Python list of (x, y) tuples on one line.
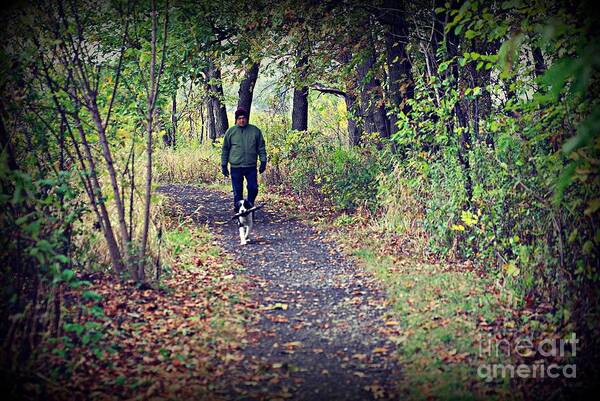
[(472, 125)]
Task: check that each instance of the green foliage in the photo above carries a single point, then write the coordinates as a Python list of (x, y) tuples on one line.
[(533, 163), (521, 195), (43, 214), (37, 230), (513, 185), (313, 165)]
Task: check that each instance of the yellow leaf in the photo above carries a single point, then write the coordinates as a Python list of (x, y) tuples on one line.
[(593, 206), (511, 268), (526, 353), (469, 218), (278, 305)]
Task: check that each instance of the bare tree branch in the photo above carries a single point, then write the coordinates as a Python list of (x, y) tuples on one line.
[(117, 73), (332, 91)]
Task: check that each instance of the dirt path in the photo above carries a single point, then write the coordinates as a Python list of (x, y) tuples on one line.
[(321, 333)]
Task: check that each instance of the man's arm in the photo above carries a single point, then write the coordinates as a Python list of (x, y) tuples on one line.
[(225, 153), (225, 149), (262, 150)]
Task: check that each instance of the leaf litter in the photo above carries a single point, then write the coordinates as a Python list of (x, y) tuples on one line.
[(318, 330)]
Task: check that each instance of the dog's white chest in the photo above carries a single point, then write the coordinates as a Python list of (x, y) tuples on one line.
[(245, 226)]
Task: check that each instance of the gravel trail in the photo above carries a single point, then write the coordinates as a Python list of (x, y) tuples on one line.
[(321, 332)]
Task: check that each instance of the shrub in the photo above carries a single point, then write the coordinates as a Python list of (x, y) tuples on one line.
[(312, 165)]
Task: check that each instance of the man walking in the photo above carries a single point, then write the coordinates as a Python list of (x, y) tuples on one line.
[(243, 145)]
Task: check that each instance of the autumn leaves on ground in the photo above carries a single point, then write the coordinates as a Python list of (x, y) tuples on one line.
[(431, 219), (229, 322), (178, 339)]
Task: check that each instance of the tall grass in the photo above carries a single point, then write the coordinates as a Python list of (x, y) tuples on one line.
[(94, 249), (191, 163)]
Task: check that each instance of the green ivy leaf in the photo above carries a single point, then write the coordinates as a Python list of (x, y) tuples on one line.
[(92, 295), (67, 275), (470, 34), (73, 328), (586, 131), (443, 66)]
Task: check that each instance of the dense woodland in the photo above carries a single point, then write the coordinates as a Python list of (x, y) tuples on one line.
[(469, 127)]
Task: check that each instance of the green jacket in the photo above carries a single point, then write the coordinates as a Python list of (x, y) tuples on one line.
[(242, 146)]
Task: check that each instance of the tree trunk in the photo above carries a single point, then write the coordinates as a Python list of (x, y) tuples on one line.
[(218, 100), (365, 108), (300, 109), (482, 105), (460, 111), (211, 129), (300, 101), (96, 193), (140, 273), (463, 149), (5, 144), (90, 180), (352, 105), (247, 88), (372, 108), (125, 240), (400, 82), (173, 120), (354, 130), (202, 124), (221, 122), (437, 38), (538, 60)]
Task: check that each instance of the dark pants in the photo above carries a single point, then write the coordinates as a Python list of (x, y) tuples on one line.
[(237, 182)]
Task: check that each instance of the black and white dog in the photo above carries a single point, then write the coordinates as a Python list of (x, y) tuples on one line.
[(245, 221)]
